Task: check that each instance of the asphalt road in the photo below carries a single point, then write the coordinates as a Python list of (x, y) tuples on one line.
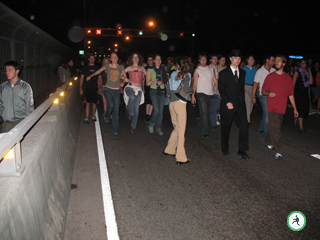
[(214, 196)]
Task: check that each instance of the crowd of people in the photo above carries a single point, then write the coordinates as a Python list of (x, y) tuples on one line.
[(221, 93)]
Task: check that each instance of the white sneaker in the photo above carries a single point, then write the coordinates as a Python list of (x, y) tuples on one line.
[(160, 133), (278, 156), (150, 129), (218, 123), (270, 147)]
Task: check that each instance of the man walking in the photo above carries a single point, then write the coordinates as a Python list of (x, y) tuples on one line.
[(278, 87), (90, 88), (216, 106), (248, 84), (260, 76), (16, 97), (233, 107), (203, 87)]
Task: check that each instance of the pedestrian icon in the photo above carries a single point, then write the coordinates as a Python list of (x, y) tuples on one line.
[(296, 221)]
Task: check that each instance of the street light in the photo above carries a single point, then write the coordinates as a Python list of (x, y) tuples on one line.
[(116, 45), (89, 42), (151, 24), (127, 38)]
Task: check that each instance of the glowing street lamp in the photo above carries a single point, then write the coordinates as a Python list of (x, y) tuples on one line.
[(116, 45), (151, 24), (127, 38)]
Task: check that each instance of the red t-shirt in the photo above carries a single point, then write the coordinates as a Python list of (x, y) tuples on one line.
[(282, 86)]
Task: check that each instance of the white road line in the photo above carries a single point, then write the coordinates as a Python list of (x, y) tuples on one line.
[(315, 155), (110, 217)]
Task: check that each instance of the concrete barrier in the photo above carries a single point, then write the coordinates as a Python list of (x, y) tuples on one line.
[(34, 205)]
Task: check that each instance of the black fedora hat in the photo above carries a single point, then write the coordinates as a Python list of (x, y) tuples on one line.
[(235, 53)]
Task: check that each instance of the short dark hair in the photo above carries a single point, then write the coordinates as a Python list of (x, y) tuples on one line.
[(150, 56), (15, 64), (221, 56), (202, 55), (213, 55), (156, 56), (268, 56), (284, 59), (247, 58)]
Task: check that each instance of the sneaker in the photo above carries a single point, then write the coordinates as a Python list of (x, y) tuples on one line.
[(150, 129), (278, 156), (106, 120), (94, 118), (270, 147), (206, 135), (86, 120), (160, 133), (116, 136), (215, 127), (218, 123), (133, 131)]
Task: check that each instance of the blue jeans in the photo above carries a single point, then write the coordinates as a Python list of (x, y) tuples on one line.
[(133, 105), (112, 97), (215, 110), (206, 103), (158, 104), (264, 125)]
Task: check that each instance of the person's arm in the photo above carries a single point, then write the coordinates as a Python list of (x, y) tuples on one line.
[(293, 103), (1, 104), (96, 73), (215, 81), (195, 82), (81, 83), (311, 77), (124, 73), (99, 84), (254, 90), (295, 76), (148, 79), (223, 91), (29, 99), (268, 93)]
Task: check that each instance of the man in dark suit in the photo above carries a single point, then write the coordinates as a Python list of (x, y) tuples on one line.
[(233, 107)]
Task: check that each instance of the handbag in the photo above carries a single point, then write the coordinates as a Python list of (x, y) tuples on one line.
[(181, 94)]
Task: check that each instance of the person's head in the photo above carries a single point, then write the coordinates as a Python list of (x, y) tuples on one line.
[(280, 62), (12, 69), (135, 59), (202, 57), (70, 63), (169, 61), (310, 62), (91, 59), (105, 61), (269, 60), (214, 59), (303, 64), (150, 60), (114, 58), (250, 60), (222, 60), (157, 60), (183, 67), (189, 60), (235, 57)]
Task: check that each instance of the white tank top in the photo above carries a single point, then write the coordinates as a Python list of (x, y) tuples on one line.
[(205, 82)]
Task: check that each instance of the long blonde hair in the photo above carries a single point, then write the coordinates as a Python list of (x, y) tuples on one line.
[(184, 68)]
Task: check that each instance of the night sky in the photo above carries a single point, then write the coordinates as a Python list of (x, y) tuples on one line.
[(256, 27)]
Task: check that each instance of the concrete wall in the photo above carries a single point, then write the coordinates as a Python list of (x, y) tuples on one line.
[(34, 205)]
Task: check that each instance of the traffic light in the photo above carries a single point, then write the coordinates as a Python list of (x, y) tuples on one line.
[(140, 33), (119, 32), (182, 34), (98, 31)]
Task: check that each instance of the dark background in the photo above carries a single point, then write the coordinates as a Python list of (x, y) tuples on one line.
[(255, 27)]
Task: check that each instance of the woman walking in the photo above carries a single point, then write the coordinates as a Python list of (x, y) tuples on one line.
[(178, 112), (133, 95)]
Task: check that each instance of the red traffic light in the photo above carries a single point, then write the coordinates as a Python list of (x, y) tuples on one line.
[(182, 34)]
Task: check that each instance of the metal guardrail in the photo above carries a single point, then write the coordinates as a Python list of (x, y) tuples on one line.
[(36, 51), (12, 139)]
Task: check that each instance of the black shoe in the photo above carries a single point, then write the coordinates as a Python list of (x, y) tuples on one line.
[(180, 163), (164, 153), (133, 131), (225, 153), (243, 155), (206, 135), (214, 128), (261, 131)]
